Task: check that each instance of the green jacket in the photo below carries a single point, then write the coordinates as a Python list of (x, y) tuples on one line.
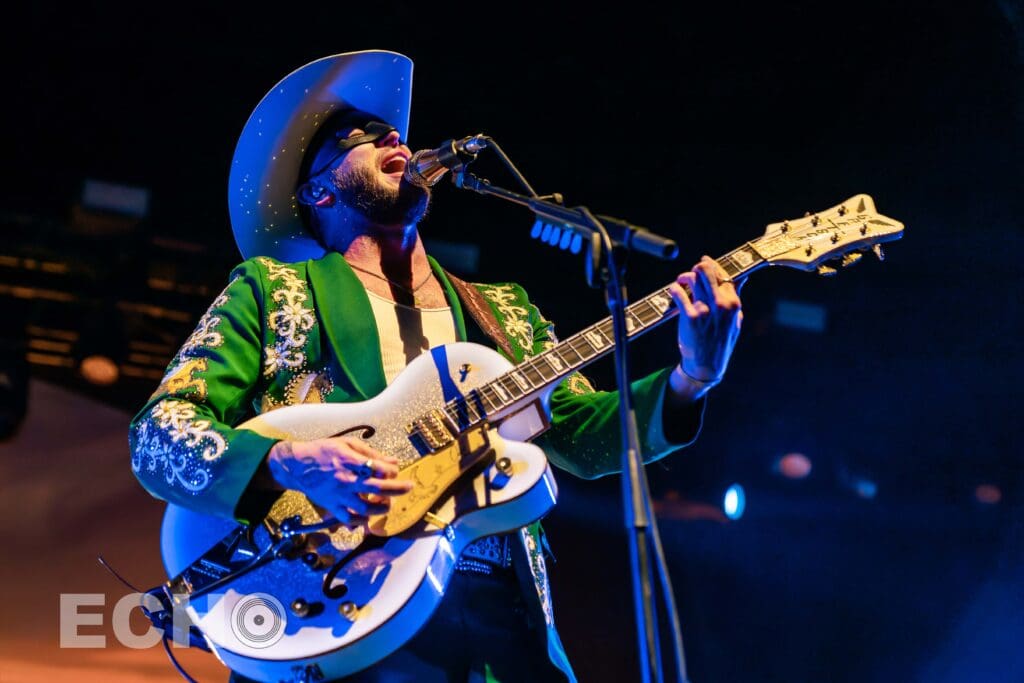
[(282, 334)]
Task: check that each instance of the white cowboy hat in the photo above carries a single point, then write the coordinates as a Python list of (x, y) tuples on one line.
[(265, 170)]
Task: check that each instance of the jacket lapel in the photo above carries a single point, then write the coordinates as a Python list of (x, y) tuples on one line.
[(344, 308)]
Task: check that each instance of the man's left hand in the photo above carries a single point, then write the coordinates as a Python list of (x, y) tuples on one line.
[(710, 314)]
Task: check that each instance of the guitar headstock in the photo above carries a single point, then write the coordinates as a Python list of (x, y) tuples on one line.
[(842, 232)]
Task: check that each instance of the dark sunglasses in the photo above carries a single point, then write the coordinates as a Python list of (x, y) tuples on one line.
[(374, 131)]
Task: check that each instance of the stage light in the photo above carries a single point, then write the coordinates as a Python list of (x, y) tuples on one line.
[(99, 369), (734, 502), (793, 466), (988, 494), (865, 488)]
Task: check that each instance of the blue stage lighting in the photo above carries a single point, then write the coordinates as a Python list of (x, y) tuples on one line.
[(734, 501)]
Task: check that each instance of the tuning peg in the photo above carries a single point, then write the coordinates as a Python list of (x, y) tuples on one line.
[(825, 271), (877, 250), (851, 258), (864, 229), (784, 227), (842, 209)]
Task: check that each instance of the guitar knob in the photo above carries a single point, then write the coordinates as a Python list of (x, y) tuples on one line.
[(825, 271), (349, 610), (300, 607), (851, 258), (877, 251)]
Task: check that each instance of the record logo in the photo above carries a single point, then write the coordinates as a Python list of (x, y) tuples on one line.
[(258, 620)]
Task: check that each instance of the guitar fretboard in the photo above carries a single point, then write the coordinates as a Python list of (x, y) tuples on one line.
[(555, 364)]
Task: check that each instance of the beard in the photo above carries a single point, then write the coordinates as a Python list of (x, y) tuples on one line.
[(382, 204)]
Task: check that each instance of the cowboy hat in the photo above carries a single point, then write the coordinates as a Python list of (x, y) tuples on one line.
[(265, 169)]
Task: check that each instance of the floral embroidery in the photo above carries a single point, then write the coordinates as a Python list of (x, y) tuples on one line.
[(515, 319), (152, 450), (206, 334), (177, 419), (290, 321), (170, 438)]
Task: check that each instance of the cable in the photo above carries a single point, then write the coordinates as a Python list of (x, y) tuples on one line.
[(174, 661)]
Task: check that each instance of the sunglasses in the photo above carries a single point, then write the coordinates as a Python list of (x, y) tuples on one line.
[(374, 131)]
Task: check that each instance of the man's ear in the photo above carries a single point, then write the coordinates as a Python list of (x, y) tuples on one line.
[(314, 194)]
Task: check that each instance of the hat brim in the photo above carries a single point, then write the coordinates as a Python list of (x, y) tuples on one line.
[(264, 171)]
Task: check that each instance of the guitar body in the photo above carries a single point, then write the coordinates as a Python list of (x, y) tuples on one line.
[(364, 595)]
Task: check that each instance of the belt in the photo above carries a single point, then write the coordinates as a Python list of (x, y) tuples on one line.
[(486, 556)]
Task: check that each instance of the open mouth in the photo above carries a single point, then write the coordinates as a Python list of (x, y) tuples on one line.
[(394, 165)]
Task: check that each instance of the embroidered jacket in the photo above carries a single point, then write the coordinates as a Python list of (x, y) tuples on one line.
[(282, 334)]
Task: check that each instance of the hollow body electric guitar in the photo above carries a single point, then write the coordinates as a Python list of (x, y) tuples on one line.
[(297, 596)]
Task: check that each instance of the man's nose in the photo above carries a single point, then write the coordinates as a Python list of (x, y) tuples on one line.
[(390, 140)]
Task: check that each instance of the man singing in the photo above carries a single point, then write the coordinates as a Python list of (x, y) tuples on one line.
[(335, 298)]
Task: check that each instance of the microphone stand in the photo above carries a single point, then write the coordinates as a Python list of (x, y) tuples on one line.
[(610, 240)]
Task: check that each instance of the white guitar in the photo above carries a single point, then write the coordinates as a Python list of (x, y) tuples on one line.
[(298, 597)]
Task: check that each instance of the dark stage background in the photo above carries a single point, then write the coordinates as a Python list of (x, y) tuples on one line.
[(897, 380)]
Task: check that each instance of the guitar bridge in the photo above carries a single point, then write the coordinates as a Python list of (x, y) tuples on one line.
[(432, 432)]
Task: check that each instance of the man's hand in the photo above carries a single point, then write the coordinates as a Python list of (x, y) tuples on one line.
[(342, 474), (709, 325)]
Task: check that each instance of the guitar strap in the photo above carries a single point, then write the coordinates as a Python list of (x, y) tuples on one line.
[(482, 314)]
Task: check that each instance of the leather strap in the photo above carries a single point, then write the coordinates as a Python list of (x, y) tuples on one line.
[(481, 311)]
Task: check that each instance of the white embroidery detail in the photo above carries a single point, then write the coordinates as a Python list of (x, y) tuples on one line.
[(538, 568), (152, 450), (206, 334), (172, 440), (290, 321), (177, 419)]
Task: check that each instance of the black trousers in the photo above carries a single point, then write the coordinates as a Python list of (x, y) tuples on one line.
[(481, 632)]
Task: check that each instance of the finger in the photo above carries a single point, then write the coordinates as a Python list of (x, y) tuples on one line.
[(363, 448), (681, 296), (707, 283), (385, 487), (359, 507), (370, 507), (364, 469), (342, 514)]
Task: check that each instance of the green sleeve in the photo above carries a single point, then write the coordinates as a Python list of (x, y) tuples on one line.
[(184, 448), (584, 438)]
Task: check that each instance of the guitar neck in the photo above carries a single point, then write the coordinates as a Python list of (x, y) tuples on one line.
[(546, 369)]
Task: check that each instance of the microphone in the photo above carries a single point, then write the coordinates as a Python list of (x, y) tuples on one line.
[(427, 166)]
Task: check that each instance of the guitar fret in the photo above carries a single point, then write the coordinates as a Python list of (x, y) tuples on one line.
[(568, 346), (539, 364), (510, 385), (532, 374), (646, 311), (489, 404)]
